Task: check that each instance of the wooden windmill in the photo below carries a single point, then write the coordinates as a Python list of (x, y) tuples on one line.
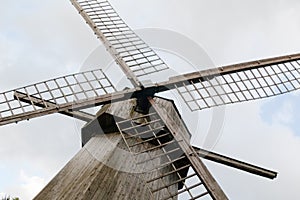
[(137, 146)]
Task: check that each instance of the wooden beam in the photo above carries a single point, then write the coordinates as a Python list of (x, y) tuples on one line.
[(215, 72), (235, 163), (71, 106), (43, 104), (207, 179)]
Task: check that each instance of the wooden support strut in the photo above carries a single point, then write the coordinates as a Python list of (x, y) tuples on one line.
[(235, 163), (43, 104), (209, 182)]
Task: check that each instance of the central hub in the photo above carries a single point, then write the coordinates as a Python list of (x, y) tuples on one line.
[(142, 103)]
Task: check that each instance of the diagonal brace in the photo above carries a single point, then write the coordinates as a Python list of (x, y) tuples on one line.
[(235, 163), (44, 103)]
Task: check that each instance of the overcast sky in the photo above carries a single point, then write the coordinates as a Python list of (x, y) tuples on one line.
[(44, 39)]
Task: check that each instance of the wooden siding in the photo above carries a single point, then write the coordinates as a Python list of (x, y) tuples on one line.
[(103, 169)]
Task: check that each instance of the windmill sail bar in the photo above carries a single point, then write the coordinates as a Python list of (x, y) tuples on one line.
[(238, 83), (57, 95), (133, 55)]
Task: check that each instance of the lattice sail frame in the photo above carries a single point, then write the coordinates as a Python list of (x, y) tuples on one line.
[(169, 172), (53, 94), (239, 86), (129, 50)]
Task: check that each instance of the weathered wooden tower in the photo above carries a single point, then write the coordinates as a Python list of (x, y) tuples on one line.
[(131, 165), (138, 146)]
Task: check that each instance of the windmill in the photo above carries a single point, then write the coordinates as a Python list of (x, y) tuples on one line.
[(205, 89)]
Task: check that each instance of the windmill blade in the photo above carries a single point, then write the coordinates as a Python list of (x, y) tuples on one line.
[(172, 168), (133, 55), (237, 83), (65, 95)]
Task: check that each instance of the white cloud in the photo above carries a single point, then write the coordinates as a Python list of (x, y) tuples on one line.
[(29, 186), (284, 114)]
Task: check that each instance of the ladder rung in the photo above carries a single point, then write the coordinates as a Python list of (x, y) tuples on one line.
[(169, 173), (149, 140), (172, 183)]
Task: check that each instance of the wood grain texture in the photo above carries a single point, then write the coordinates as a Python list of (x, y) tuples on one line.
[(103, 169)]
